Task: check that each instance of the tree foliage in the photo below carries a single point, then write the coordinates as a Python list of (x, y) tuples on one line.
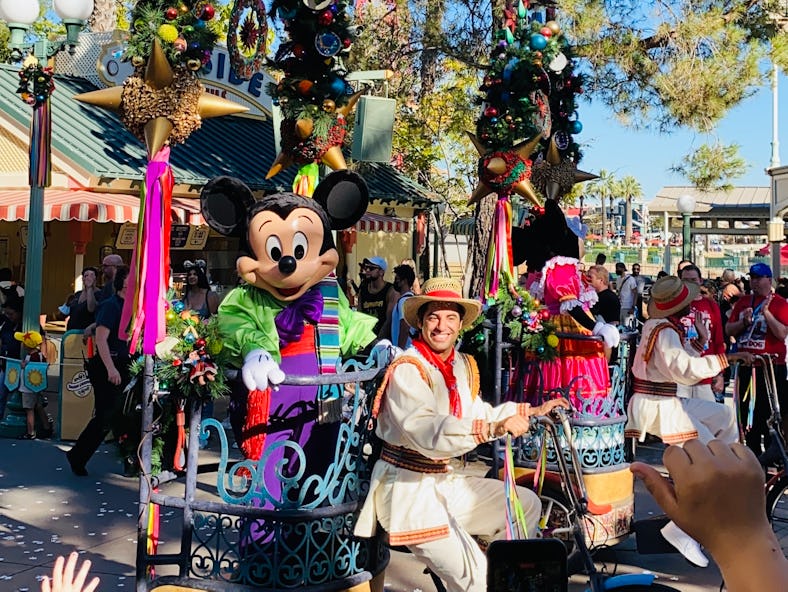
[(712, 166)]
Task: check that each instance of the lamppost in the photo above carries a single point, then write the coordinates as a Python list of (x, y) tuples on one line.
[(35, 88), (686, 205), (19, 16)]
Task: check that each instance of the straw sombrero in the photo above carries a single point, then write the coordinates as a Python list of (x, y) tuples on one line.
[(441, 290), (670, 295)]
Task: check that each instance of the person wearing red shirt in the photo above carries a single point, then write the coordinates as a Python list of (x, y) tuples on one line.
[(703, 328), (759, 322)]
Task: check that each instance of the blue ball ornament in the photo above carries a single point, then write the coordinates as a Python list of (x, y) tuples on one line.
[(538, 42), (189, 338), (178, 306), (540, 350), (199, 25), (575, 127), (493, 120)]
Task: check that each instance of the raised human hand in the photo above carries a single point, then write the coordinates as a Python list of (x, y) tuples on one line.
[(64, 580)]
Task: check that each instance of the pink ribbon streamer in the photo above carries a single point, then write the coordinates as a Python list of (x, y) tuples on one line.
[(150, 259), (499, 253), (40, 174)]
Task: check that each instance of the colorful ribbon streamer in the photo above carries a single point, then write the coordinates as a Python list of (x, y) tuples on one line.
[(150, 259), (41, 146), (306, 179), (515, 517), (499, 253)]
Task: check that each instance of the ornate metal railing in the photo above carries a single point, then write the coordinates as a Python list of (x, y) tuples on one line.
[(249, 539)]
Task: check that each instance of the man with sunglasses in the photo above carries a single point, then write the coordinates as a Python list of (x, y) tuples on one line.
[(376, 296)]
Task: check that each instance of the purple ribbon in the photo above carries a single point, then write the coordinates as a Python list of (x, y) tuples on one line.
[(290, 320)]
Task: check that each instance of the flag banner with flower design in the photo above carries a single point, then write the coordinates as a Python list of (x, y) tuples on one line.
[(13, 372), (34, 376)]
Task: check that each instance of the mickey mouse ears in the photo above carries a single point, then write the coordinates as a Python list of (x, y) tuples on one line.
[(224, 202), (345, 196)]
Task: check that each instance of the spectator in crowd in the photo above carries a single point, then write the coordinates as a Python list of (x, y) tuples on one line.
[(82, 306), (10, 348), (608, 306), (627, 289), (109, 266), (8, 287), (108, 372), (197, 294), (416, 284), (715, 493), (729, 292), (404, 277), (376, 296), (601, 259), (759, 322), (682, 264), (661, 273), (32, 401), (703, 326), (641, 284)]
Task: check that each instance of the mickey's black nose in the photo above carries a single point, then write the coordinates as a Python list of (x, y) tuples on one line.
[(287, 265)]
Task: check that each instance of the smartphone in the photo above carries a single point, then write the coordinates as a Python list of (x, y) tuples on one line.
[(532, 565)]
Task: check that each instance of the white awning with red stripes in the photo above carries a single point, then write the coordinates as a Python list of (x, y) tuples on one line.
[(90, 206), (379, 223)]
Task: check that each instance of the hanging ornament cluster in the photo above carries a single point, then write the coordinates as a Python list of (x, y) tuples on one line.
[(529, 92), (190, 357), (35, 82), (185, 29), (247, 37), (313, 94), (526, 324)]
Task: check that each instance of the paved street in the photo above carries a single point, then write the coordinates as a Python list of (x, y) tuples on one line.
[(46, 511)]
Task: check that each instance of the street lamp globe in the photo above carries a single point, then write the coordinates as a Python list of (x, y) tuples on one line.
[(685, 204), (74, 9), (23, 13)]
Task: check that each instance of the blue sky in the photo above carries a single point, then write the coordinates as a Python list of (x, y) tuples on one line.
[(648, 155)]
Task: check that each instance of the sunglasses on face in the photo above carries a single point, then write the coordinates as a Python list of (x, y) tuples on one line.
[(370, 267)]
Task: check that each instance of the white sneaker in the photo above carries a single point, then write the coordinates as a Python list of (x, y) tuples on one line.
[(685, 544)]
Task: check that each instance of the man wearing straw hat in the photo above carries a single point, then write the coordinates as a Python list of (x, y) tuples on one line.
[(664, 358), (429, 410)]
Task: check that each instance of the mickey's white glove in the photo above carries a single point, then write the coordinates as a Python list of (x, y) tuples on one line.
[(609, 333), (260, 370)]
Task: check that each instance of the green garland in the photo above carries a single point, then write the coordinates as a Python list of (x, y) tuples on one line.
[(526, 324), (185, 29)]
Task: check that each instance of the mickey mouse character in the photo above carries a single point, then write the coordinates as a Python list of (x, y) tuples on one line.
[(290, 317)]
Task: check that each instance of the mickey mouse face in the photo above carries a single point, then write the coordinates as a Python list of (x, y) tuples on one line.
[(287, 258)]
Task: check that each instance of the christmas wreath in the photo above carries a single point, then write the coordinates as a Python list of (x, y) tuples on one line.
[(35, 82)]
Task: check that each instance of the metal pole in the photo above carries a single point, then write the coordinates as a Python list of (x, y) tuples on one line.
[(666, 262), (686, 241), (775, 161)]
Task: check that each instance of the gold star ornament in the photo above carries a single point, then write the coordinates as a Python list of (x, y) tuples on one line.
[(160, 104)]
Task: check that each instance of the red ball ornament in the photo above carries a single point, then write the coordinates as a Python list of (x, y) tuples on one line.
[(305, 86), (347, 42), (298, 50), (199, 344), (177, 362), (171, 13), (491, 112), (325, 18), (544, 314), (546, 31), (207, 13)]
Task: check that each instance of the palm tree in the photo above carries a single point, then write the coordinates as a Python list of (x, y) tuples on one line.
[(104, 16), (631, 190), (604, 189)]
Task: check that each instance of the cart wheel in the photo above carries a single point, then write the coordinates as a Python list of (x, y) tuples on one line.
[(777, 509), (558, 525)]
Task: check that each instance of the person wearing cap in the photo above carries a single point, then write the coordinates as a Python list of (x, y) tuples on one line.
[(759, 322), (32, 401), (376, 296), (429, 410), (664, 359)]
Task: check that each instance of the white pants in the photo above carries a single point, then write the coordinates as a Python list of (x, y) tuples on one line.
[(712, 420), (476, 507), (696, 391)]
